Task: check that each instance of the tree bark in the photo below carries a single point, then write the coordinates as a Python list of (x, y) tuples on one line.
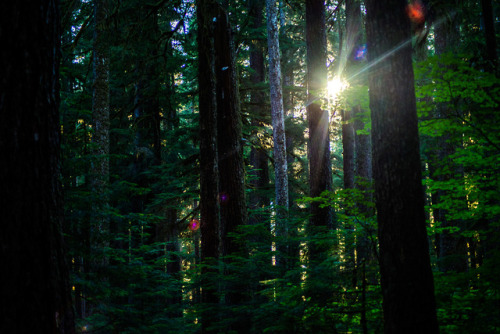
[(209, 176), (100, 135), (279, 137), (35, 289), (406, 276), (232, 199), (320, 178), (277, 111)]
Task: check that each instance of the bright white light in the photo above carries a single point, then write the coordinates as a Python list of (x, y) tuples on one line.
[(335, 86)]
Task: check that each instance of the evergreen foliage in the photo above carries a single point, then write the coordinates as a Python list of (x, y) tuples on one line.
[(153, 278)]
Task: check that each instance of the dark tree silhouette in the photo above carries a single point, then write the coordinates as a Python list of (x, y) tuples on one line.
[(406, 277), (35, 296)]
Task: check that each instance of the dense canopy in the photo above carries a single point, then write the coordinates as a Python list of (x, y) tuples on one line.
[(251, 166)]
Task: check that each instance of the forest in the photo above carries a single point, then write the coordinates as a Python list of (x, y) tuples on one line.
[(250, 166)]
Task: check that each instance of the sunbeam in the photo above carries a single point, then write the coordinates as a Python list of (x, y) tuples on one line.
[(393, 50)]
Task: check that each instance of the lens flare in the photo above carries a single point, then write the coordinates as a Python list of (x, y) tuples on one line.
[(194, 224), (223, 198), (415, 11), (360, 53)]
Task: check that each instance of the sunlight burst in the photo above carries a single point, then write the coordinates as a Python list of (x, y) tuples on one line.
[(335, 86)]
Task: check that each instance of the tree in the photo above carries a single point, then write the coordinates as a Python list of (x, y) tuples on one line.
[(232, 199), (209, 173), (318, 149), (320, 178), (406, 276), (35, 292), (278, 120), (101, 126)]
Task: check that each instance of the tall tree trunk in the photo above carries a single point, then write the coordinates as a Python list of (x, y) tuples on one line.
[(278, 122), (277, 113), (406, 276), (209, 180), (362, 148), (233, 211), (100, 135), (320, 178), (169, 230), (35, 289)]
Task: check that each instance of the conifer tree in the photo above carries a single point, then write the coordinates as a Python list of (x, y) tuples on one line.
[(209, 171), (35, 292), (318, 149), (277, 116), (406, 277)]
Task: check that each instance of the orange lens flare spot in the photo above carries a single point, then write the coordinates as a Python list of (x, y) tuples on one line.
[(194, 224), (416, 12)]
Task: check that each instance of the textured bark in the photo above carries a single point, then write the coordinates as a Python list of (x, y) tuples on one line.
[(406, 276), (233, 210), (279, 136), (319, 280), (353, 28), (35, 289), (318, 119), (209, 185), (277, 111), (100, 135), (362, 148), (320, 178), (230, 149)]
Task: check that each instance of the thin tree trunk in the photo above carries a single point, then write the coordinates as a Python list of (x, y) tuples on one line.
[(407, 283), (100, 135), (278, 122)]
